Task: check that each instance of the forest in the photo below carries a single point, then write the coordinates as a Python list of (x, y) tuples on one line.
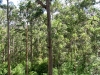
[(50, 37)]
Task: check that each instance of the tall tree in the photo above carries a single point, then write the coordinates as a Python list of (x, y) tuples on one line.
[(8, 37), (47, 7), (50, 65)]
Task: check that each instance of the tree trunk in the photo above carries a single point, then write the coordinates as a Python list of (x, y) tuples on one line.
[(31, 44), (8, 38), (27, 50), (50, 64), (27, 46)]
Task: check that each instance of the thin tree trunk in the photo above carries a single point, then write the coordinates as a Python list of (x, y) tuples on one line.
[(58, 65), (27, 46), (8, 38), (31, 44), (50, 63), (27, 50)]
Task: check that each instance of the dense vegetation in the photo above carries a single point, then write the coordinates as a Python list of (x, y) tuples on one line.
[(75, 34)]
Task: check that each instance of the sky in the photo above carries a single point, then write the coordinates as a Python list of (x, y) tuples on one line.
[(14, 1), (17, 1)]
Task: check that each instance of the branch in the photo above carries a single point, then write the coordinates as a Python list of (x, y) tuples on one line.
[(41, 3)]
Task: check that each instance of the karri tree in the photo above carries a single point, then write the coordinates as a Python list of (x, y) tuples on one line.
[(47, 7), (8, 38)]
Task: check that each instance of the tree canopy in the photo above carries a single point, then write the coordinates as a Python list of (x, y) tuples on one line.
[(70, 31)]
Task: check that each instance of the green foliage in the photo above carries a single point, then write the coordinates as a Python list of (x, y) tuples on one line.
[(55, 71), (86, 3), (39, 12), (75, 38), (3, 68), (40, 67), (18, 70), (32, 73)]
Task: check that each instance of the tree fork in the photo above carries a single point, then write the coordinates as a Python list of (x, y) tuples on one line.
[(41, 3)]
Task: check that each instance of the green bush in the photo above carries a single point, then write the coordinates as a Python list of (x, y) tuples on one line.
[(3, 68), (18, 70)]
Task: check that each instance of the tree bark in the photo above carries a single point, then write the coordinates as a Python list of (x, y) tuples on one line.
[(50, 62), (31, 45), (27, 50), (8, 37), (27, 46)]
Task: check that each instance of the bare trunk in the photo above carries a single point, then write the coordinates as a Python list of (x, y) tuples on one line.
[(27, 50), (27, 46), (8, 38), (50, 64), (31, 44)]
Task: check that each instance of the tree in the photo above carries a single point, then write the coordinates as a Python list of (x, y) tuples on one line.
[(47, 7), (74, 34), (50, 63), (8, 38)]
